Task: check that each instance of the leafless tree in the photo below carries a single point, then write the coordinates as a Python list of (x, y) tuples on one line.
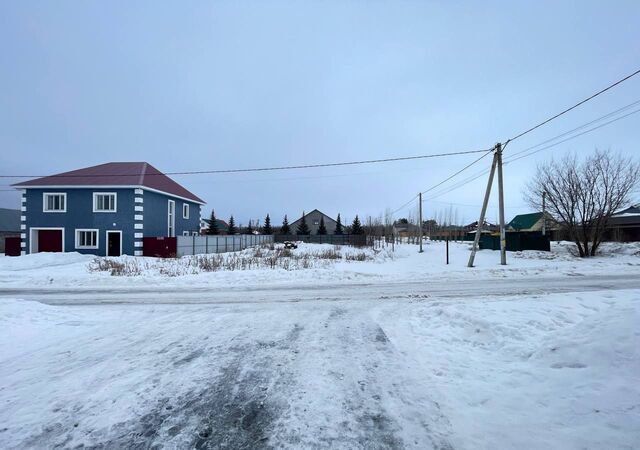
[(582, 195)]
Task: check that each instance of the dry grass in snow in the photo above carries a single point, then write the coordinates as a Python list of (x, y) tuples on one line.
[(262, 257)]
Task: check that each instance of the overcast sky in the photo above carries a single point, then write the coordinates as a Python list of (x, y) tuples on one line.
[(224, 85)]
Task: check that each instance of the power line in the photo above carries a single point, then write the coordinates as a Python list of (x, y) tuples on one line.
[(572, 137), (516, 156), (508, 160), (606, 116), (457, 173), (574, 106), (264, 169), (404, 205)]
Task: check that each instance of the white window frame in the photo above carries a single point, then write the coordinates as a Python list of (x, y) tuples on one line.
[(95, 202), (45, 195), (185, 210), (171, 218), (84, 247), (185, 233)]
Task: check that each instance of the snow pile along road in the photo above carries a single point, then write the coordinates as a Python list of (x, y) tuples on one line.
[(309, 264)]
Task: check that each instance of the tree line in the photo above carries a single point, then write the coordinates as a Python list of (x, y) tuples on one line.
[(302, 228)]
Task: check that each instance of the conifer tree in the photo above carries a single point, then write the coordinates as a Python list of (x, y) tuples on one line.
[(303, 228), (339, 229), (213, 224), (249, 228), (285, 229), (356, 227), (232, 226), (322, 229), (266, 229)]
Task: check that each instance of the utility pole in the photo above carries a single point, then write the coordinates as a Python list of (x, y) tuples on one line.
[(420, 219), (544, 213), (472, 257), (503, 237)]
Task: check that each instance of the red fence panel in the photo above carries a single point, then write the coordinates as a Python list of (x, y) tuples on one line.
[(12, 246), (159, 247)]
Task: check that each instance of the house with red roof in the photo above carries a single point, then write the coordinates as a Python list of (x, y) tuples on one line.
[(105, 210)]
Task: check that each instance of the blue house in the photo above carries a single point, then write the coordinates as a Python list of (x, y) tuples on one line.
[(105, 210)]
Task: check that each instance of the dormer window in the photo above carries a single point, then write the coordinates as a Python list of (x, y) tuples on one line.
[(54, 202), (105, 201)]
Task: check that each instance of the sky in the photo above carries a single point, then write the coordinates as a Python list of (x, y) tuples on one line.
[(226, 85)]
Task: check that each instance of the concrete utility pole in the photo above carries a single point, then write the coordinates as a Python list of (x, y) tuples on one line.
[(420, 219), (487, 193), (503, 237), (544, 213)]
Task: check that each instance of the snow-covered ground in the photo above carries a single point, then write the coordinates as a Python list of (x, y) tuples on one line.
[(403, 264), (403, 352), (533, 372)]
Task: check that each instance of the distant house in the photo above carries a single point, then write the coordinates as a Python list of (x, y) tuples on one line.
[(313, 221), (9, 224), (531, 222), (402, 229), (487, 227), (625, 225), (105, 210), (223, 227)]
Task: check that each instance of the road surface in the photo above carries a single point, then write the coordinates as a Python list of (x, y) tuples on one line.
[(285, 367)]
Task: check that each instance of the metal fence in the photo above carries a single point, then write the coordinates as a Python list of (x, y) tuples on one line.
[(198, 245), (358, 240)]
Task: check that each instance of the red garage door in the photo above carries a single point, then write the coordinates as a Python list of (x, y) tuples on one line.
[(49, 240)]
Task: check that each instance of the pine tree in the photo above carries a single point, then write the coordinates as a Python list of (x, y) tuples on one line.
[(213, 224), (322, 229), (303, 228), (266, 229), (232, 226), (249, 228), (285, 229), (339, 229), (356, 227)]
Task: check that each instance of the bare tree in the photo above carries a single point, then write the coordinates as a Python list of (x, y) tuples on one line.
[(583, 195)]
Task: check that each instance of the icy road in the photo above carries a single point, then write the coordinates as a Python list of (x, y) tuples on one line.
[(534, 363)]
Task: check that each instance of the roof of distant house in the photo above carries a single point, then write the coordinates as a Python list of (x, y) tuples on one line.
[(221, 223), (525, 221), (310, 212), (631, 211), (115, 174), (9, 219)]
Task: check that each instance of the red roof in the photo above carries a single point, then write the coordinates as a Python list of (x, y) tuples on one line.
[(115, 174)]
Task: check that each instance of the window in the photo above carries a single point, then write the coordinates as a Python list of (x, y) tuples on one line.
[(54, 202), (171, 218), (316, 222), (185, 211), (195, 233), (104, 201), (185, 233), (86, 238)]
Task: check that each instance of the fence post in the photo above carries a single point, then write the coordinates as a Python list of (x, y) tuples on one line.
[(194, 245)]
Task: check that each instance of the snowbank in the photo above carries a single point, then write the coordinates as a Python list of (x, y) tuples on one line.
[(401, 264)]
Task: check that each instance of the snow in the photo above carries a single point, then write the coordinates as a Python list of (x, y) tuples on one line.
[(535, 372), (399, 351), (403, 264)]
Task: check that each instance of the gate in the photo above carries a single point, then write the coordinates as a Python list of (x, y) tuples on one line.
[(159, 247), (12, 246)]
